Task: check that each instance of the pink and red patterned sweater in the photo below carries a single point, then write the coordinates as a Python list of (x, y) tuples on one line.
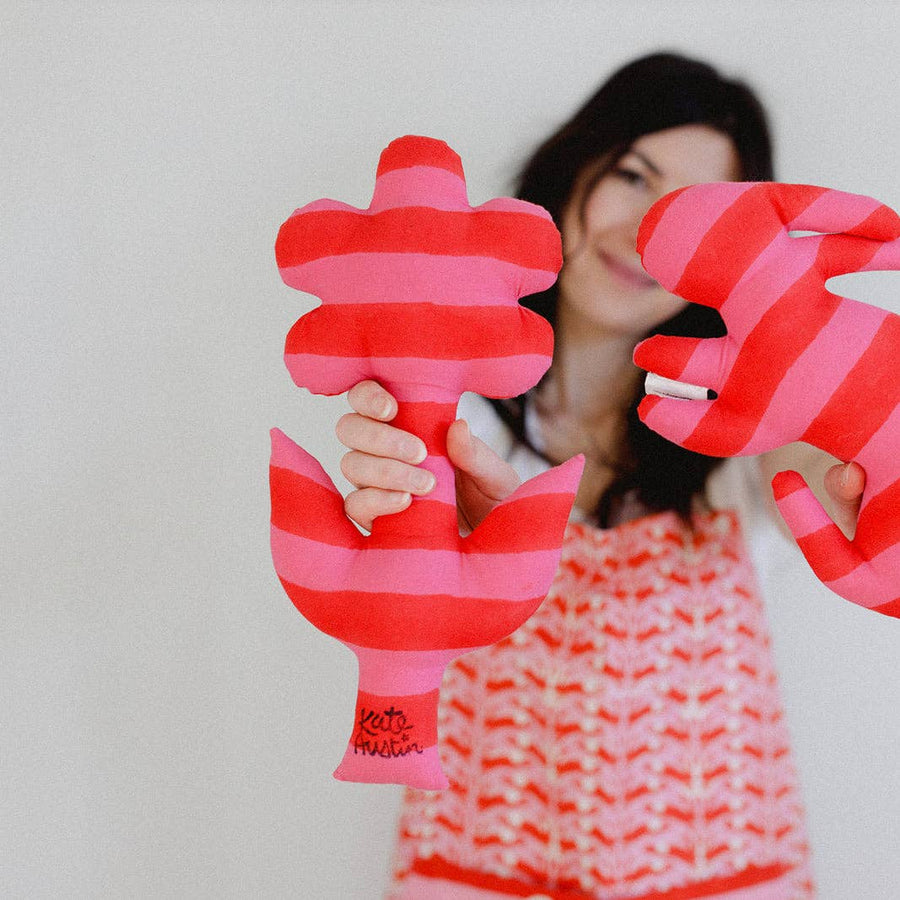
[(627, 742)]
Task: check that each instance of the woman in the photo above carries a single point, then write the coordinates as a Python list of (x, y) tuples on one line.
[(628, 740)]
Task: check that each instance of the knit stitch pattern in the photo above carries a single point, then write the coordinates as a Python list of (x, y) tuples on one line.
[(629, 738)]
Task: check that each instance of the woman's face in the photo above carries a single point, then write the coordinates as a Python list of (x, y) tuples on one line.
[(603, 285)]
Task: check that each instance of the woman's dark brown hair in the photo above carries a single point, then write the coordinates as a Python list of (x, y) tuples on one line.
[(651, 94)]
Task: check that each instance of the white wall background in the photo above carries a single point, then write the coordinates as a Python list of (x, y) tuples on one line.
[(168, 723)]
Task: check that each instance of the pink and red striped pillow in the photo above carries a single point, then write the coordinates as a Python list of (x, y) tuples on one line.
[(799, 363), (419, 291)]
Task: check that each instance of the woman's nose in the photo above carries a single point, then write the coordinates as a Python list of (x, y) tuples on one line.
[(634, 223), (640, 210)]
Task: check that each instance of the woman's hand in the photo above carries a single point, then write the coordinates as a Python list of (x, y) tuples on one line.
[(383, 463), (838, 486)]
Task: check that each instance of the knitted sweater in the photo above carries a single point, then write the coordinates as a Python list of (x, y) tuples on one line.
[(627, 741)]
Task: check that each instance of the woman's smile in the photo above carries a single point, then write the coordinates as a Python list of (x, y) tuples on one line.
[(629, 275)]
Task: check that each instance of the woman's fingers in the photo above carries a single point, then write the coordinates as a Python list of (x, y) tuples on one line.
[(383, 461), (359, 432), (364, 470), (365, 505), (370, 399), (483, 479), (491, 474), (845, 484), (384, 486)]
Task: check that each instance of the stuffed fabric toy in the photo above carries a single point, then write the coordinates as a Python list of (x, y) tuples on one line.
[(798, 363), (419, 291)]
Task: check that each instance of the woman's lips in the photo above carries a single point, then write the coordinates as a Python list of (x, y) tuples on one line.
[(630, 276)]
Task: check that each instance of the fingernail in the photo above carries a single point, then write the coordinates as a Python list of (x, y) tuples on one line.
[(465, 435), (423, 481), (385, 408), (845, 475), (416, 452), (401, 501)]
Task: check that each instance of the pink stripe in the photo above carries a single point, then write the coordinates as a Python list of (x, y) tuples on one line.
[(867, 584), (561, 479), (677, 420), (423, 393), (695, 213), (409, 671), (444, 490), (883, 445), (803, 513), (393, 277), (816, 374), (288, 455), (324, 567), (429, 186), (709, 363), (511, 204), (834, 211), (783, 266), (335, 374), (321, 205)]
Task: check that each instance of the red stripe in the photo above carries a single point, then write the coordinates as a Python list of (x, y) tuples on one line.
[(792, 200), (387, 621), (407, 720), (786, 483), (419, 151), (883, 225), (425, 525), (871, 390), (879, 523), (779, 338), (421, 330), (429, 421), (889, 609), (522, 238), (308, 509), (729, 248), (429, 525), (829, 553), (305, 508), (840, 255), (546, 513), (665, 355), (437, 867)]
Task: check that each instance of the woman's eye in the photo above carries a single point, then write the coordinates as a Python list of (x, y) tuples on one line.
[(630, 176)]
